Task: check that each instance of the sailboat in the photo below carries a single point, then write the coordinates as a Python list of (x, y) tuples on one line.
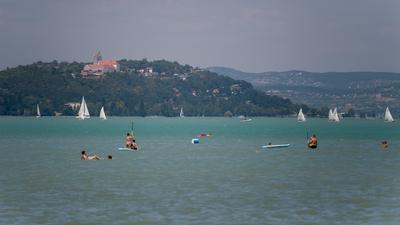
[(388, 116), (83, 111), (330, 115), (102, 114), (37, 111), (300, 116), (181, 113), (335, 115)]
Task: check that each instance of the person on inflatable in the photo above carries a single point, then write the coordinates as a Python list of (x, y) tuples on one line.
[(204, 135)]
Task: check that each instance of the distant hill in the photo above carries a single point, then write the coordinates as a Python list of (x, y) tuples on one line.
[(362, 93), (55, 86)]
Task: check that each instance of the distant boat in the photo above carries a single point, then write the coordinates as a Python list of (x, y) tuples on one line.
[(300, 116), (244, 118), (330, 115), (83, 111), (388, 116), (38, 115), (102, 114), (333, 115), (181, 113)]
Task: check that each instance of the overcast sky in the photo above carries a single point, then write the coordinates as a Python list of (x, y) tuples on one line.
[(249, 35)]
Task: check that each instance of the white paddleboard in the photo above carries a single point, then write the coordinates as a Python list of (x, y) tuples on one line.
[(126, 149), (276, 146)]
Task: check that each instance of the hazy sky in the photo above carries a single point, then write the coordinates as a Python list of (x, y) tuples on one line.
[(250, 35)]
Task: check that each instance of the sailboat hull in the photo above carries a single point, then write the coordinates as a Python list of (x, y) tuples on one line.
[(388, 121)]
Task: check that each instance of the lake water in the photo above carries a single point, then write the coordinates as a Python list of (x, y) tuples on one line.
[(226, 179)]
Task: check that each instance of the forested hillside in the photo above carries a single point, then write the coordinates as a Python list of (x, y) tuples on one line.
[(131, 93)]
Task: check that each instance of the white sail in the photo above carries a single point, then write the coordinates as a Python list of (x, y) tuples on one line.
[(330, 116), (300, 116), (37, 111), (335, 115), (181, 113), (86, 114), (388, 115), (83, 110), (102, 114)]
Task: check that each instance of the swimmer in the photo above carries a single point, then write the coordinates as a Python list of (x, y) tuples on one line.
[(85, 156), (384, 145), (204, 135)]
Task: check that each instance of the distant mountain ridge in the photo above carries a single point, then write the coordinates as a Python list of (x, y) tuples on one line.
[(363, 93)]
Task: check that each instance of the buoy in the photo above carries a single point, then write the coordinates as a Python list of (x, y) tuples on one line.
[(195, 141)]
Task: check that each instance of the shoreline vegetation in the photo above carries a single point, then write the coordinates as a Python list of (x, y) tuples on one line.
[(58, 88)]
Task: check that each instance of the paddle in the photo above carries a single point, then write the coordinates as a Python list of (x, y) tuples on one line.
[(133, 136), (307, 139)]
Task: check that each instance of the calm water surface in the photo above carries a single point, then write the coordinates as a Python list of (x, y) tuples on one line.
[(226, 179)]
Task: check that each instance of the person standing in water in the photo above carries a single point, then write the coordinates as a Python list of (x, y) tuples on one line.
[(313, 142)]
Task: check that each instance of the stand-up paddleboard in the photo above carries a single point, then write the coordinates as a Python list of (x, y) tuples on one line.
[(276, 146), (127, 149)]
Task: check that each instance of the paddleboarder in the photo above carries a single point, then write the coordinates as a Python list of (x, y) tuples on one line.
[(313, 142)]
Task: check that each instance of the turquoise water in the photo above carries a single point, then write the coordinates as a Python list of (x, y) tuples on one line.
[(226, 179)]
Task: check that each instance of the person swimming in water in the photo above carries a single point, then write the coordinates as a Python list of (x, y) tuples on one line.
[(205, 134), (384, 145), (313, 142), (85, 156)]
